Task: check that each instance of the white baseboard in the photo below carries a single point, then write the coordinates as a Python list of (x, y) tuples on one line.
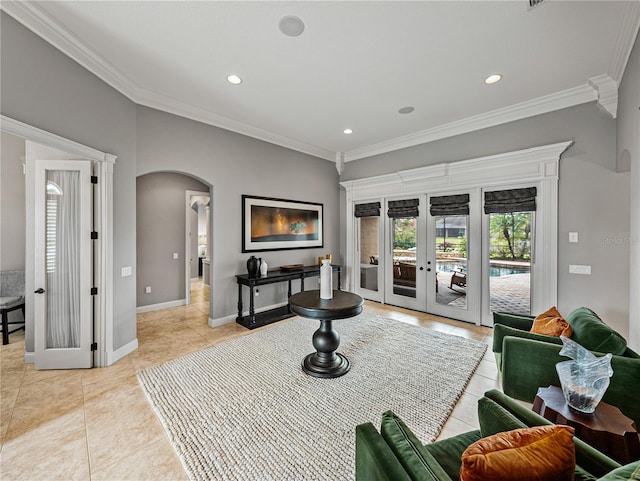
[(220, 321), (162, 305), (29, 357), (119, 353)]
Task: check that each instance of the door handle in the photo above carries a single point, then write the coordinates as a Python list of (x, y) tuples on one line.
[(39, 291), (428, 270), (422, 268)]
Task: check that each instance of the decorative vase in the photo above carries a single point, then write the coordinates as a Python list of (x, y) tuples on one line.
[(263, 268), (584, 379), (253, 265)]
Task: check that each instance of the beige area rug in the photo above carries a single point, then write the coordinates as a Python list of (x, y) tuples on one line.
[(245, 410)]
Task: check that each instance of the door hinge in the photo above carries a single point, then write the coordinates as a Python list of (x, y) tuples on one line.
[(94, 235), (94, 179), (94, 291), (94, 346)]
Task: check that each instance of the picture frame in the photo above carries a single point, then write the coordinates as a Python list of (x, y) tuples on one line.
[(270, 224)]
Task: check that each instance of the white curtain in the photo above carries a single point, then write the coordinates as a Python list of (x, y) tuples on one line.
[(63, 259)]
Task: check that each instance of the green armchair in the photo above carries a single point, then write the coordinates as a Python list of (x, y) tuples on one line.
[(395, 454), (527, 361)]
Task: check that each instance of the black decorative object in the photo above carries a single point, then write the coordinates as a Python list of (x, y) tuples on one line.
[(253, 266)]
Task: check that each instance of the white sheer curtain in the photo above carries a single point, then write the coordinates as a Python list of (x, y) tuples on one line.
[(63, 259)]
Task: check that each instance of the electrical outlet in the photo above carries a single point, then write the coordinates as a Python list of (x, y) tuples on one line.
[(147, 289), (573, 237), (175, 255)]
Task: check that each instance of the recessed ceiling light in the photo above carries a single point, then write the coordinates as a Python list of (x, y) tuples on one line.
[(406, 110), (234, 79), (291, 26), (348, 131), (491, 79)]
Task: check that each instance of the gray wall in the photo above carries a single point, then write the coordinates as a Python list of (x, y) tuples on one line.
[(628, 156), (12, 208), (160, 213), (44, 88), (12, 203), (234, 165), (593, 197)]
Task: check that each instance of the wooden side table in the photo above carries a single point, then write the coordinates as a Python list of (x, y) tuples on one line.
[(607, 429), (326, 362)]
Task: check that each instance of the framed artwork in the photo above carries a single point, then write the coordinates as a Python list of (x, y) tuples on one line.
[(275, 224)]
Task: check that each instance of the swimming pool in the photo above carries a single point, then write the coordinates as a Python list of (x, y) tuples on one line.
[(494, 271)]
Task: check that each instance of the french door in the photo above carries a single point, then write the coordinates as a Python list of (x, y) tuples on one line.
[(405, 268), (63, 269), (369, 251), (453, 256)]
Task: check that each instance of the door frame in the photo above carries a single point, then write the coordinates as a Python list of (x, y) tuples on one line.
[(535, 165), (103, 224), (187, 240)]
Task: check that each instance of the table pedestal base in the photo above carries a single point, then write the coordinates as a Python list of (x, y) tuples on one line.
[(326, 362), (315, 366)]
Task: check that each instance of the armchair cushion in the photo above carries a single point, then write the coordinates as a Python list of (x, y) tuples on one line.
[(630, 472), (591, 333), (414, 458)]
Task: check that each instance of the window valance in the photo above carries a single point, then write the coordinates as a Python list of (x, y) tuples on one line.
[(513, 200)]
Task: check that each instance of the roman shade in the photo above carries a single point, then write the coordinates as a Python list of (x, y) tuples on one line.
[(450, 205), (512, 200), (403, 208), (372, 209)]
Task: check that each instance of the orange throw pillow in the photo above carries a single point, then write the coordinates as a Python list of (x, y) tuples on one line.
[(538, 453), (552, 323)]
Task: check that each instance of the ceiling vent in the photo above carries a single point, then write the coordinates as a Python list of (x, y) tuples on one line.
[(534, 3)]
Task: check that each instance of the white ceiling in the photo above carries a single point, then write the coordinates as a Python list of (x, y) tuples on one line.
[(354, 66)]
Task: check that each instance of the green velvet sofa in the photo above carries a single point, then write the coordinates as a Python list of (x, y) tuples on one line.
[(395, 454), (527, 361)]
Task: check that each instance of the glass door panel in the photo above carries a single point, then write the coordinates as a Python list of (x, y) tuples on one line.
[(404, 256), (369, 257), (510, 247), (62, 259), (451, 260)]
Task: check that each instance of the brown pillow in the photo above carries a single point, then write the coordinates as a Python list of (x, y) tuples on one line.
[(538, 453), (551, 323)]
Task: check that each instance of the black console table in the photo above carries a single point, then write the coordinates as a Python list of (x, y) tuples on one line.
[(273, 276)]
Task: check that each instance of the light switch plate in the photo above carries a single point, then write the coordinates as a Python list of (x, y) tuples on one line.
[(126, 271), (573, 269), (573, 237), (175, 255)]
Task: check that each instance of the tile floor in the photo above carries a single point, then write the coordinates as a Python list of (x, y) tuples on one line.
[(97, 424)]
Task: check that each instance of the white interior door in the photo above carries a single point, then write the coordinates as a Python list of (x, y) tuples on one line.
[(63, 307), (405, 260)]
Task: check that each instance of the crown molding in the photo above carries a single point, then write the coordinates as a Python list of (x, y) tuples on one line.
[(52, 31), (49, 29), (541, 105), (607, 90), (627, 33), (599, 88), (182, 109), (528, 165)]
